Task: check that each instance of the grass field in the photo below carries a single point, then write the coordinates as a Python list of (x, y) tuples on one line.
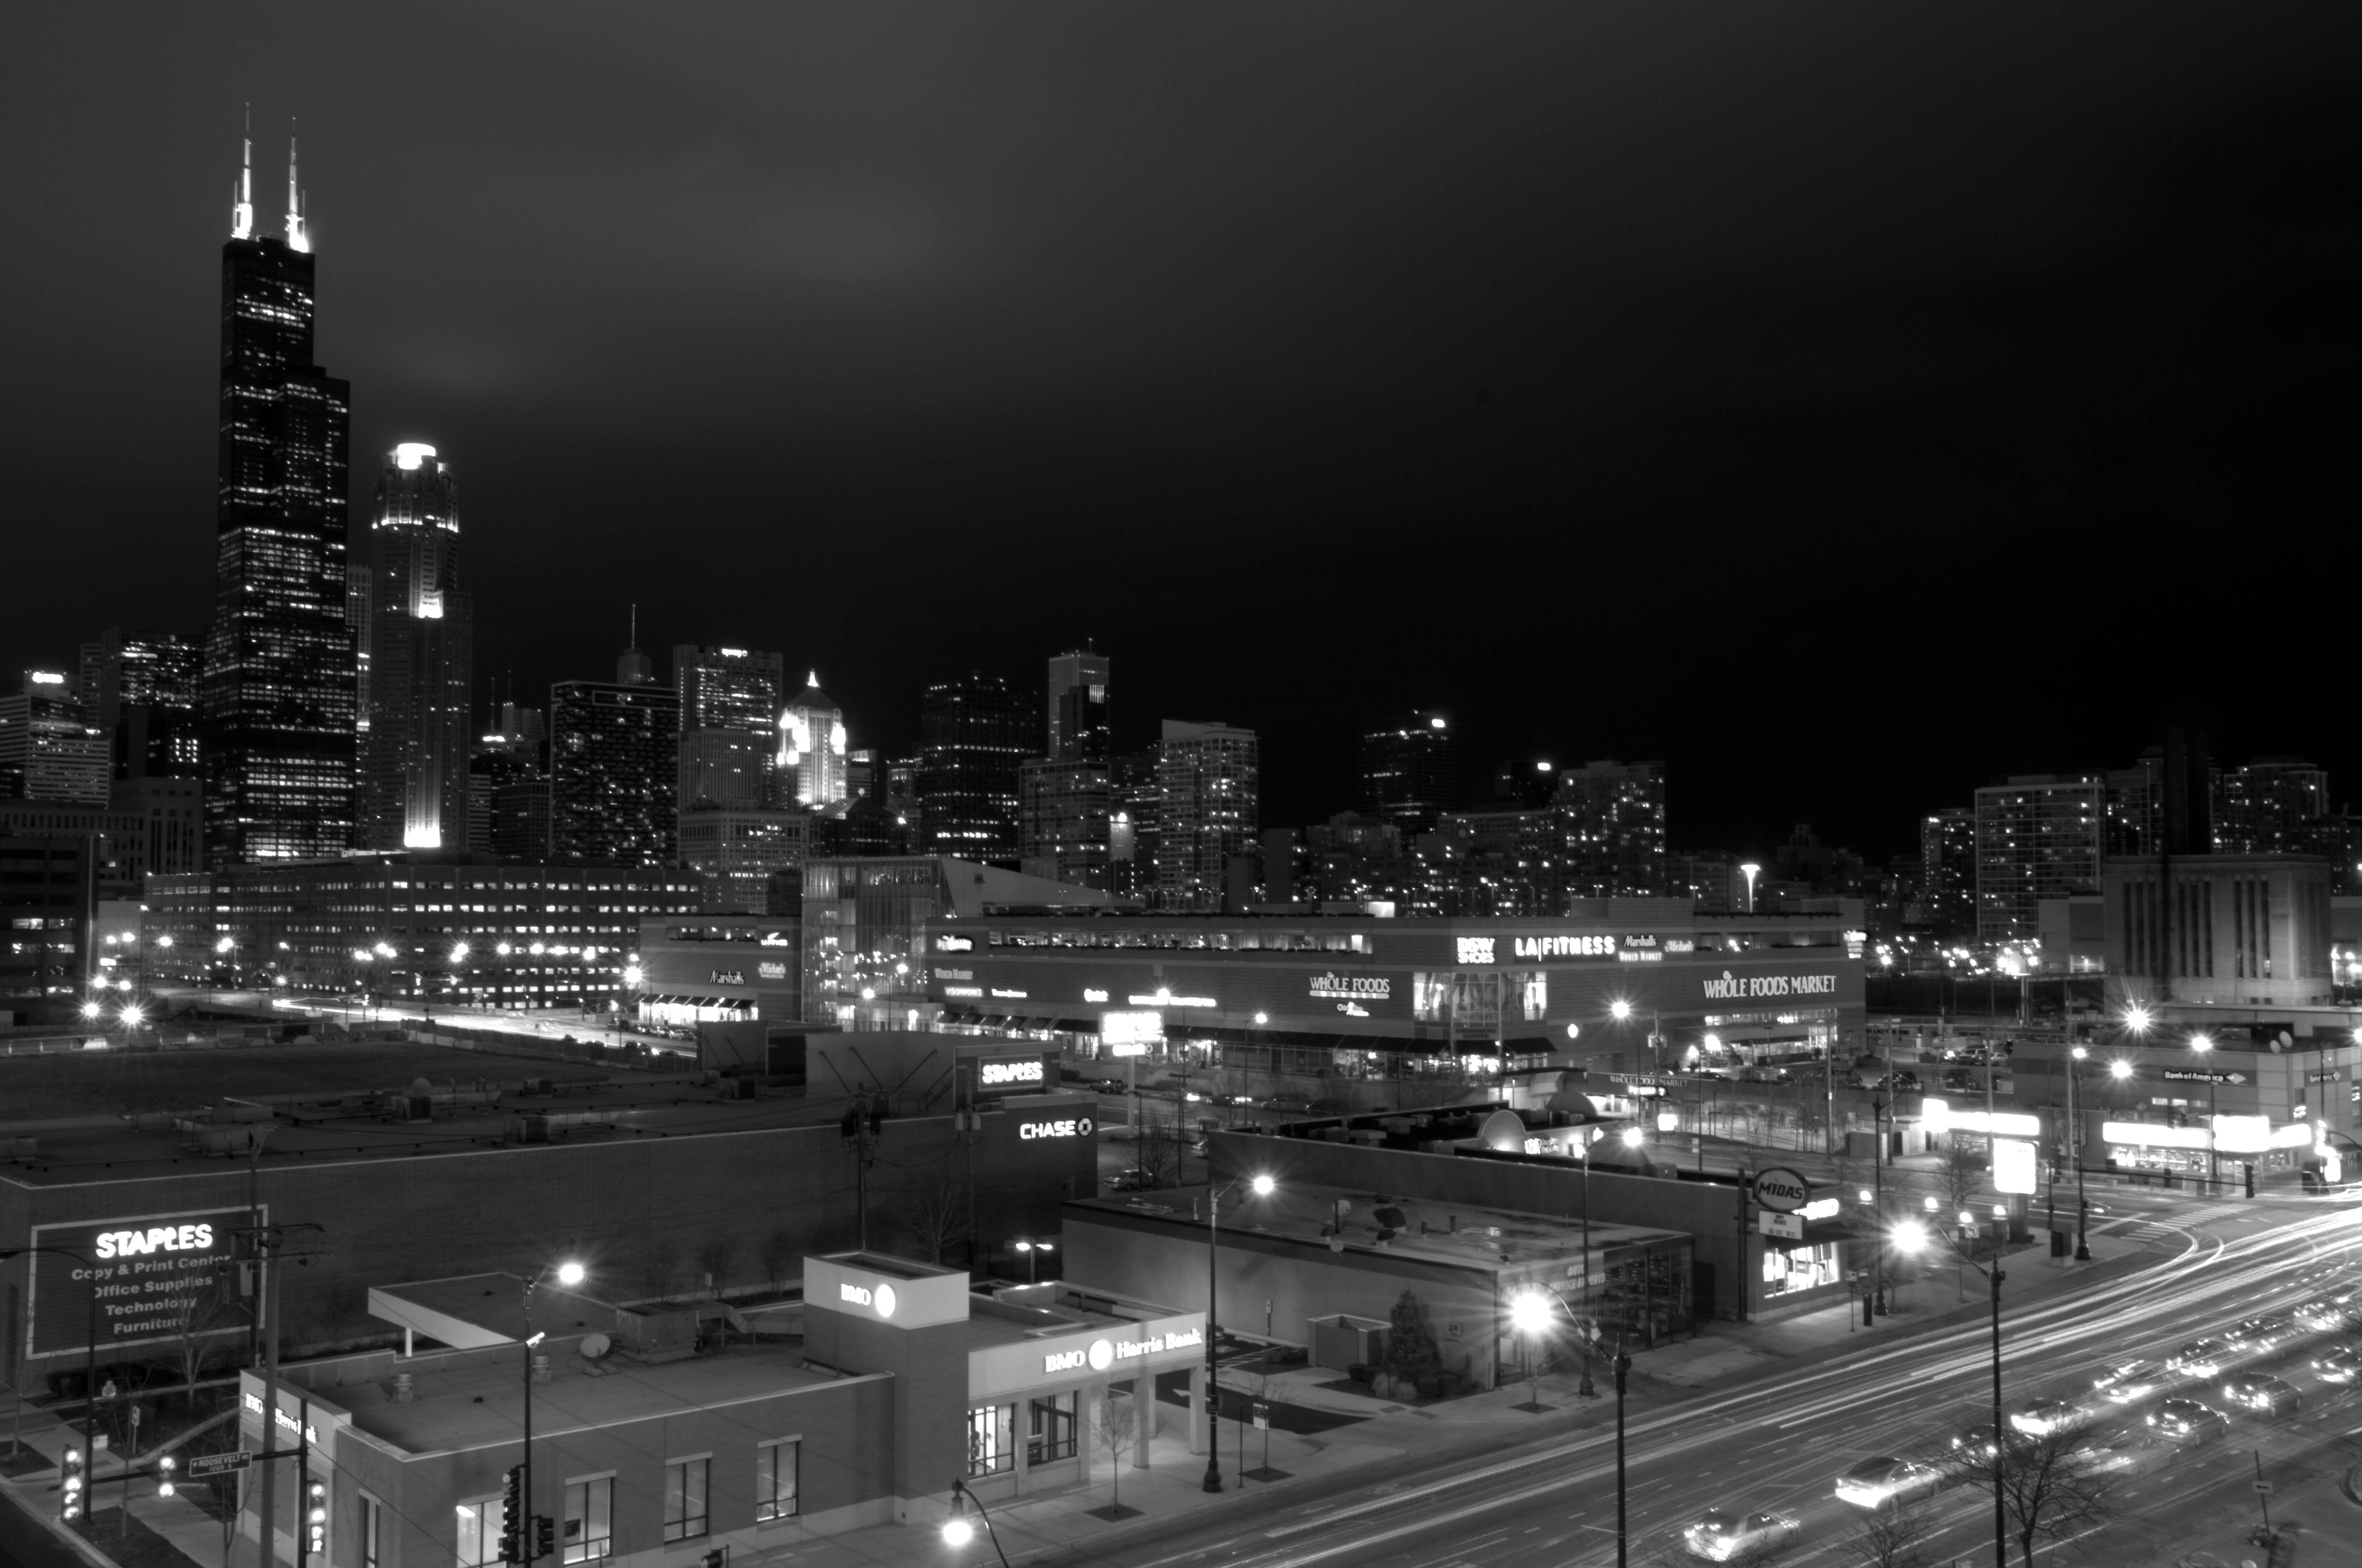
[(92, 1083)]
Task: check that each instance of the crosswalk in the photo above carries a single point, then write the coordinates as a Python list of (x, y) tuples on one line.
[(2166, 1228)]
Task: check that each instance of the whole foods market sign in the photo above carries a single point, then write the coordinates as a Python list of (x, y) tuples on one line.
[(1730, 987), (149, 1280)]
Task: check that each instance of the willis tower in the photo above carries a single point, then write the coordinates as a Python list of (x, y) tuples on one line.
[(279, 694)]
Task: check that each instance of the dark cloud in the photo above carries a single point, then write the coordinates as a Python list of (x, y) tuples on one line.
[(1846, 402)]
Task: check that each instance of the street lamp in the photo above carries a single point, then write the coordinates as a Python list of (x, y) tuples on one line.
[(1261, 1186), (2075, 1152), (568, 1273), (957, 1532), (1033, 1250), (1748, 870), (1584, 1389), (2204, 1046), (1870, 1071), (1993, 1276)]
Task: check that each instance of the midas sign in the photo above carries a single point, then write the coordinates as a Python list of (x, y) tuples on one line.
[(1781, 1190), (154, 1238), (1073, 1127)]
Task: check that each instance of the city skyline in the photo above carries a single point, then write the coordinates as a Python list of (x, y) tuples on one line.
[(1423, 427)]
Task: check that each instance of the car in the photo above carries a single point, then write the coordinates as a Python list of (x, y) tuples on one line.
[(2339, 1364), (2121, 1452), (1721, 1534), (2128, 1381), (1133, 1180), (2263, 1395), (1296, 1102), (1973, 1444), (2325, 1314), (1881, 1482), (2204, 1358), (2187, 1420), (2257, 1335), (2045, 1417)]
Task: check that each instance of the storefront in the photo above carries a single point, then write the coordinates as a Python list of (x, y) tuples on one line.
[(2223, 1146), (693, 969)]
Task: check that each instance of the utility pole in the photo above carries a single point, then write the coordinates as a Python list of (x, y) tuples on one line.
[(271, 1252)]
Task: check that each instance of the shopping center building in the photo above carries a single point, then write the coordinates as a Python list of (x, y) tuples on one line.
[(1624, 984)]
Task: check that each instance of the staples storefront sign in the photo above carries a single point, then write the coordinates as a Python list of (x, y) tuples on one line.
[(1005, 1073), (146, 1279), (1748, 988)]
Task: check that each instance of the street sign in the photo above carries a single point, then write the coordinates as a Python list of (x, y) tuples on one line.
[(2263, 1486), (2202, 1075), (203, 1464), (1262, 1416), (1788, 1227), (1781, 1189)]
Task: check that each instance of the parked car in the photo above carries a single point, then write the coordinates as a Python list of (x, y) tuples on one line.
[(1721, 1534), (2263, 1395), (1295, 1102), (1133, 1180), (1883, 1482), (2339, 1364), (2187, 1420), (2128, 1381)]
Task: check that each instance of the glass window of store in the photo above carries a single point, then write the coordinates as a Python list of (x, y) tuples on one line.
[(479, 1533), (1050, 1430), (372, 1531), (777, 1465), (991, 1440), (1788, 1270), (590, 1530), (685, 1493)]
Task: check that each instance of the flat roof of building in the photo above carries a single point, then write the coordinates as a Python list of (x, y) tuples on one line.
[(1463, 1236), (465, 1400)]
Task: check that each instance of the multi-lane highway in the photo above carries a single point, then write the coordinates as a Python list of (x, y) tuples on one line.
[(1779, 1442)]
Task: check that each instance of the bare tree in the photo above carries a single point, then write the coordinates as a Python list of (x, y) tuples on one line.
[(1157, 1150), (204, 1313), (660, 1261), (1118, 1424), (779, 1254), (714, 1258), (1893, 1537), (938, 1218), (2052, 1488)]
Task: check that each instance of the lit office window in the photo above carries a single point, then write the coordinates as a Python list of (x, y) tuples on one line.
[(685, 1492), (775, 1476)]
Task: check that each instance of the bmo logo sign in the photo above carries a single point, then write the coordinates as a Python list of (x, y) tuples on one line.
[(1009, 1071), (1073, 1127), (881, 1300), (1098, 1357)]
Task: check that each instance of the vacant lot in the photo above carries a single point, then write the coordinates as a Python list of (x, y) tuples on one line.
[(90, 1083)]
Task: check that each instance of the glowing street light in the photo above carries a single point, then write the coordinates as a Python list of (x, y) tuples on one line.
[(2120, 1068), (1748, 870), (2137, 1019), (1620, 1010)]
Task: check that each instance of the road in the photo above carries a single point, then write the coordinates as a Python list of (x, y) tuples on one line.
[(1779, 1444)]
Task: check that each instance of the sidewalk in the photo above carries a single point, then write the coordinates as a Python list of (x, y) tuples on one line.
[(197, 1533)]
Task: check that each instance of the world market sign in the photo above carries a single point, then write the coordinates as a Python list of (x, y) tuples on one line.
[(1735, 988)]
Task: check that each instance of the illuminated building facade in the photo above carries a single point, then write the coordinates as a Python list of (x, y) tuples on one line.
[(1079, 706), (1210, 779), (729, 700), (974, 735), (279, 705), (2270, 806), (1612, 815), (1409, 770), (142, 689), (1948, 870), (2039, 836), (815, 759), (1065, 808), (51, 746), (734, 850), (612, 758), (421, 639), (48, 907)]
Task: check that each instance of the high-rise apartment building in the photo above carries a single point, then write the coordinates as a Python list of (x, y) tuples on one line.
[(50, 749), (815, 758), (1135, 817), (1077, 709), (1065, 807), (1612, 815), (1210, 779), (279, 707), (141, 687), (2269, 807), (613, 751), (1409, 770), (1948, 869), (729, 701), (421, 640), (973, 734), (2039, 836)]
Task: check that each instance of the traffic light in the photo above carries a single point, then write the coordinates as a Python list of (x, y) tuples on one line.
[(165, 1466), (545, 1535), (70, 1485), (512, 1516), (315, 1518)]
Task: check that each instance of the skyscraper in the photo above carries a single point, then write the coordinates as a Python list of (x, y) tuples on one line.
[(1409, 769), (613, 761), (973, 734), (1948, 869), (1613, 818), (1079, 696), (420, 631), (279, 704), (2039, 836), (729, 700), (2266, 807), (1211, 780), (50, 747), (814, 759), (141, 689)]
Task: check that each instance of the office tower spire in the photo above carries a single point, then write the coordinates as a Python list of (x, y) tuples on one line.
[(242, 194), (278, 706), (296, 238), (421, 660)]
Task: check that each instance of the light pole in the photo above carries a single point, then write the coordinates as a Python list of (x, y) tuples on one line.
[(2203, 1047), (1623, 1366), (568, 1273), (957, 1532), (1584, 1389), (2075, 1152), (1749, 870), (1261, 1186), (1912, 1237), (1033, 1250), (1869, 1071)]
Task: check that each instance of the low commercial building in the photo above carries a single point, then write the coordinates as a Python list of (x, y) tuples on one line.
[(659, 1437), (1323, 1267), (717, 969)]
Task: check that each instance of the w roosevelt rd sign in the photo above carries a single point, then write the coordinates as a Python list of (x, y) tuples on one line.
[(1781, 1190)]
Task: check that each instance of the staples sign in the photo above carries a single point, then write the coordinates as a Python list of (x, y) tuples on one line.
[(1009, 1071)]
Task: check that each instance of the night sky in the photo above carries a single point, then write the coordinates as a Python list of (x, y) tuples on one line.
[(1845, 403)]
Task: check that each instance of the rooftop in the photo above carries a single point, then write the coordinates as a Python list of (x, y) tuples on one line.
[(1460, 1234)]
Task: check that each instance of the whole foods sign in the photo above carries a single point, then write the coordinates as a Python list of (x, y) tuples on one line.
[(138, 1280), (1740, 987)]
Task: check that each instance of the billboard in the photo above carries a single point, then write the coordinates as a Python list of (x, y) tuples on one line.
[(149, 1277)]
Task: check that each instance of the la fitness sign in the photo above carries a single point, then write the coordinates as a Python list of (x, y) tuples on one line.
[(1101, 1354)]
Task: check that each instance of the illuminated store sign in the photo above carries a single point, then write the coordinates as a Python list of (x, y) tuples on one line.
[(1938, 1116), (1071, 1126), (1090, 995), (1729, 990), (881, 1300), (253, 1402), (944, 974), (1166, 999), (1101, 1354), (1131, 1033), (1007, 995), (1010, 1070), (729, 976), (1591, 946), (954, 944), (1641, 955), (962, 991), (1680, 945), (131, 1280), (1472, 949), (772, 970), (2202, 1075), (1354, 988)]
